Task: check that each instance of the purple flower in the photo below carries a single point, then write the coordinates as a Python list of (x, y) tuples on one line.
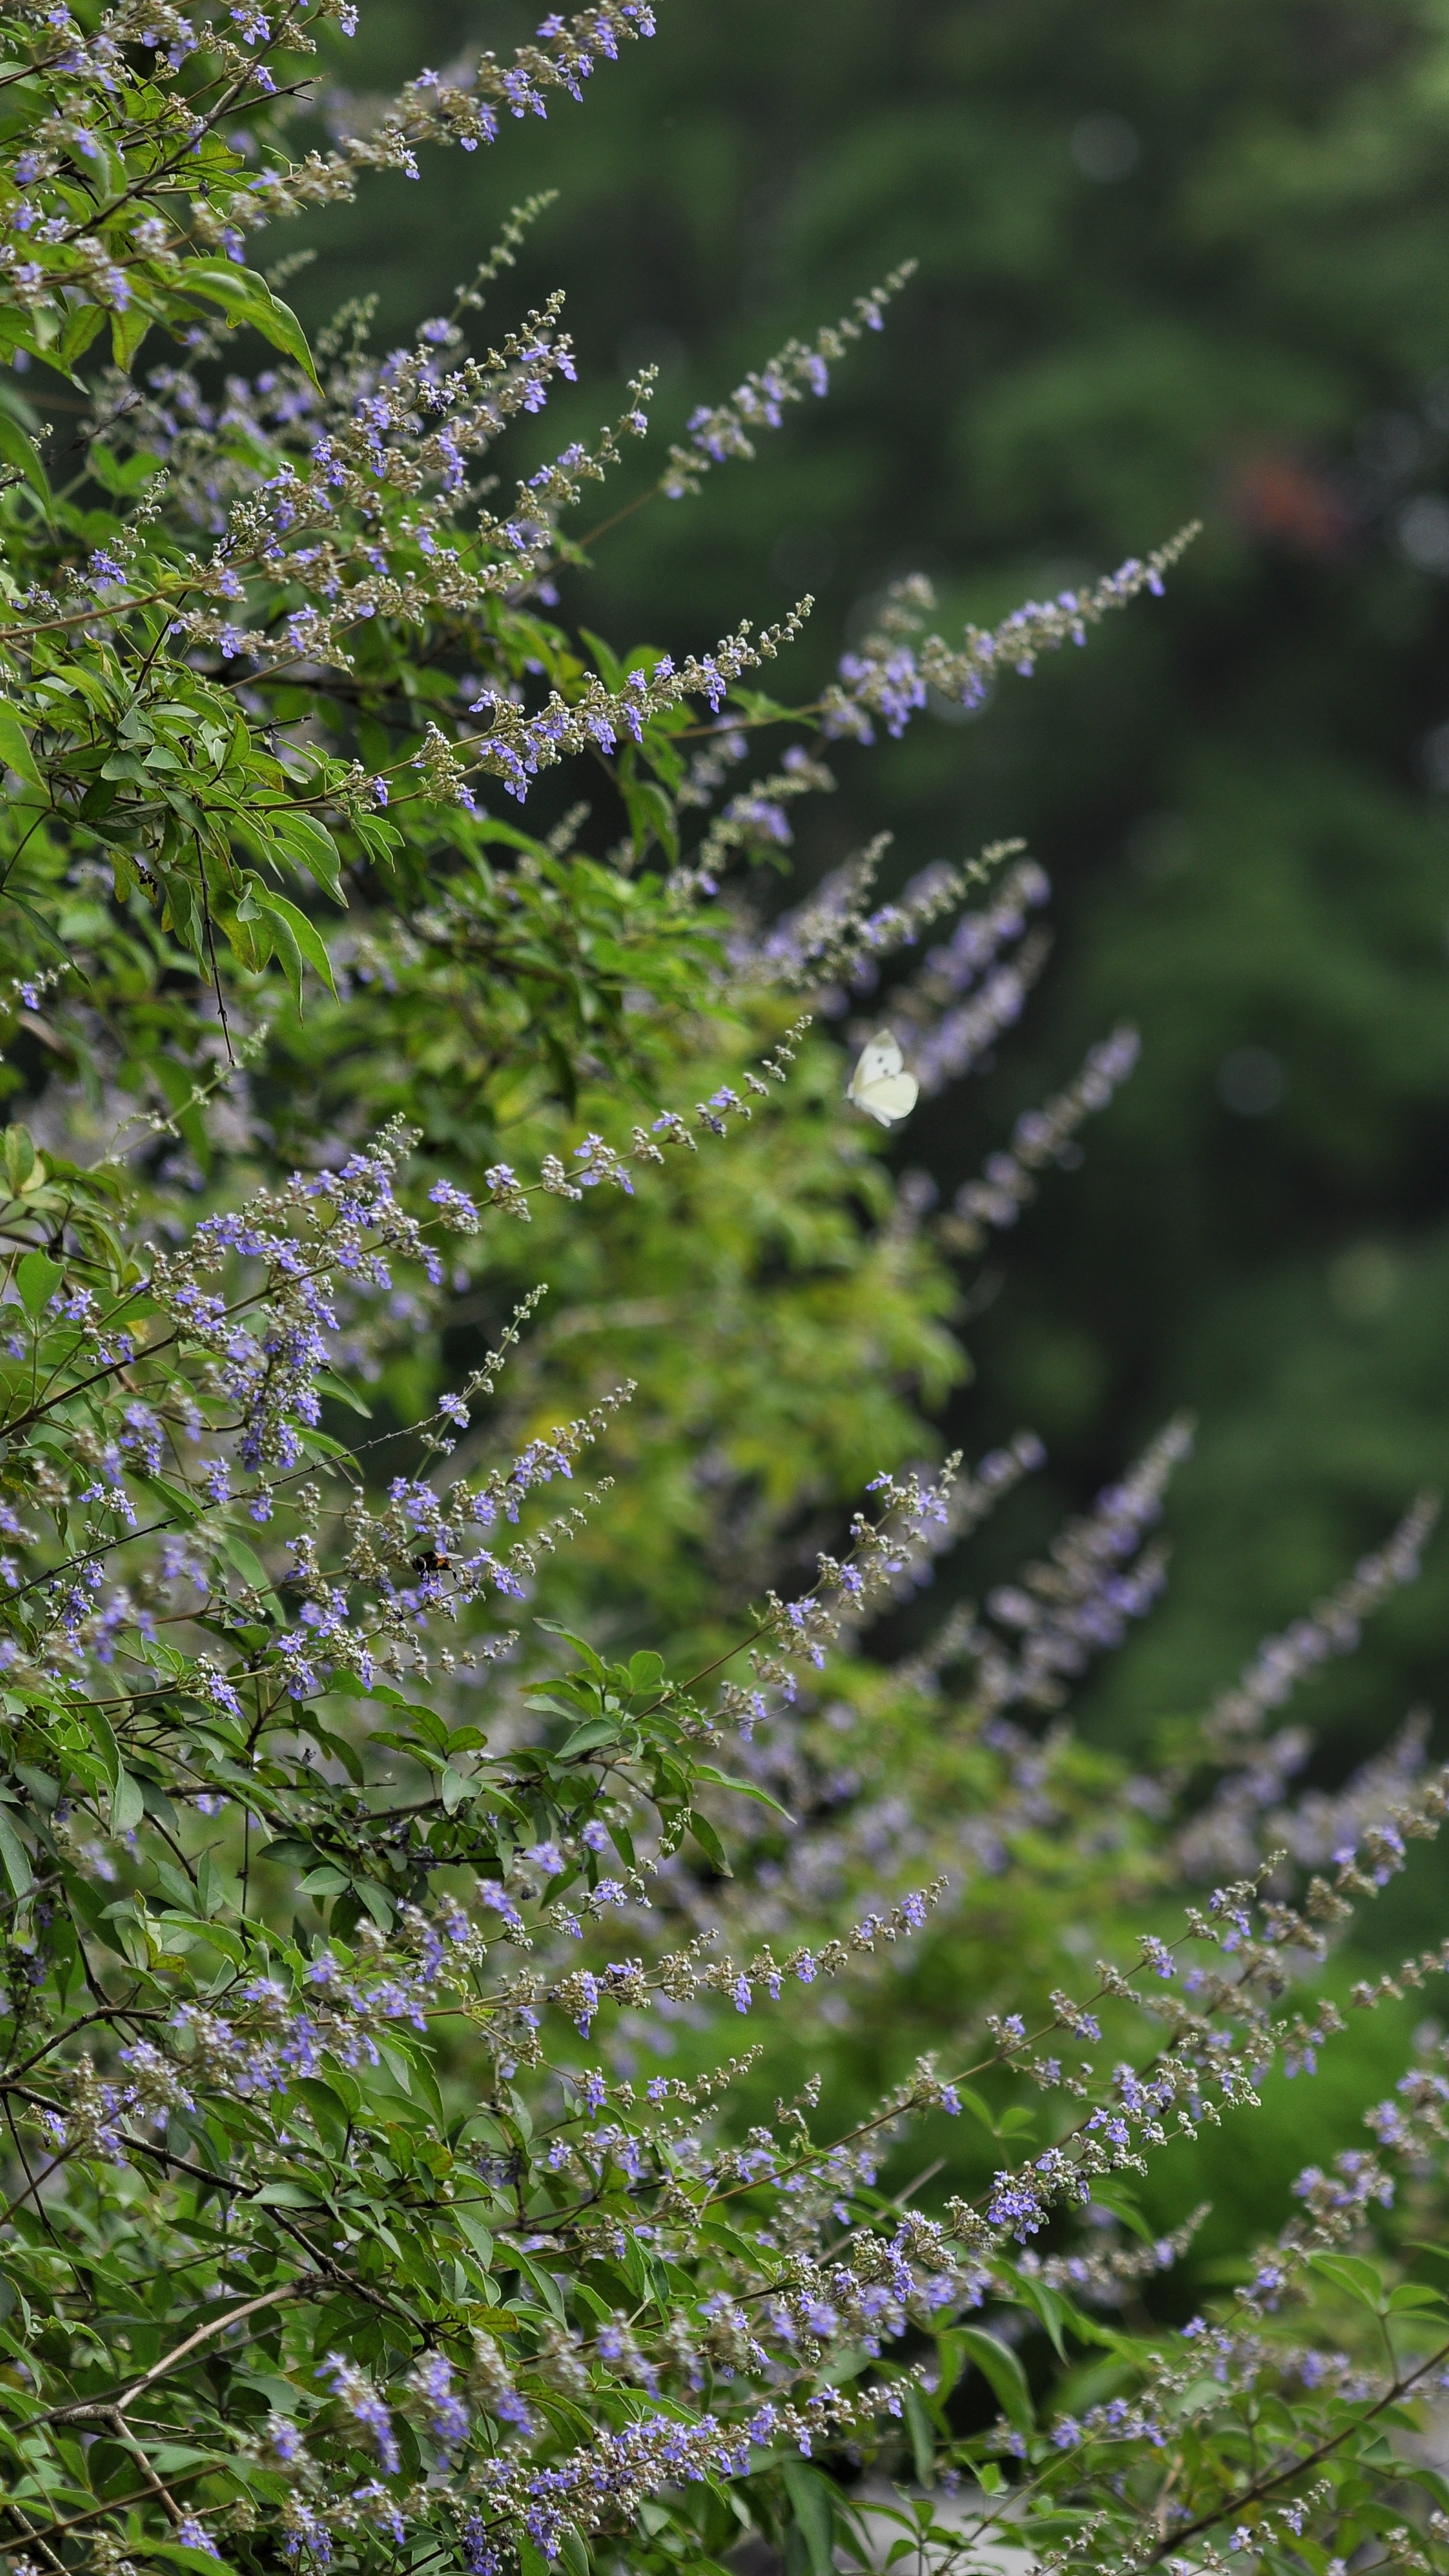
[(432, 2381), (364, 2403)]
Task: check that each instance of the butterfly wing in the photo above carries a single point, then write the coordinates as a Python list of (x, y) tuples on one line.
[(880, 1084), (893, 1097), (879, 1058)]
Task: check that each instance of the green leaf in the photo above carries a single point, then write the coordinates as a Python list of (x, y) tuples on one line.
[(1057, 2311), (18, 450), (1410, 2295), (337, 1746), (128, 330), (651, 817), (1436, 2484), (424, 2084), (188, 1507), (377, 1901), (1362, 2281), (99, 1728), (341, 1393), (124, 477), (37, 1277), (14, 1857), (970, 2100), (76, 338), (474, 2230), (606, 660), (741, 1788), (586, 1738), (329, 2118), (551, 1626), (1110, 2195), (127, 1804), (246, 1560), (1049, 2308), (43, 929), (201, 2562), (923, 2442), (303, 940), (710, 1844), (1000, 2367), (246, 298), (512, 836), (812, 2502), (312, 845)]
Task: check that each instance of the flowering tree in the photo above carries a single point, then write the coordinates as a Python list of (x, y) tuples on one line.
[(347, 1895)]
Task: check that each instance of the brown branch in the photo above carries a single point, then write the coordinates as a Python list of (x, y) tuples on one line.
[(1297, 2468), (115, 2407)]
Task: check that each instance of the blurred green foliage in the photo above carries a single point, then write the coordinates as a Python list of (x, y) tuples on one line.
[(1172, 262)]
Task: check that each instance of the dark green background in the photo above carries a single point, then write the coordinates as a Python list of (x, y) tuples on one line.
[(1233, 791)]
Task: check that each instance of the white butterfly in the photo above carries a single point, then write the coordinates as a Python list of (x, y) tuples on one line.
[(880, 1084)]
